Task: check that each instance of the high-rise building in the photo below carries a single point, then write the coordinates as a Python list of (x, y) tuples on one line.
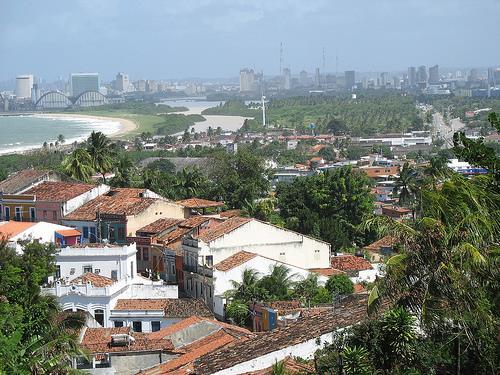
[(350, 79), (412, 76), (303, 79), (24, 85), (140, 85), (383, 79), (317, 78), (422, 74), (247, 80), (122, 82), (82, 82), (396, 82), (434, 74), (287, 79), (151, 86), (473, 75)]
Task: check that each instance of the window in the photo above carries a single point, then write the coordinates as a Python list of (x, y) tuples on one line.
[(99, 316), (97, 271), (132, 269), (139, 253), (32, 214), (1, 212), (85, 232), (121, 233), (54, 215), (44, 214), (18, 214), (118, 323), (7, 213), (209, 259), (87, 269), (137, 326), (72, 271), (145, 253), (58, 272), (155, 326), (114, 275), (209, 288), (93, 237)]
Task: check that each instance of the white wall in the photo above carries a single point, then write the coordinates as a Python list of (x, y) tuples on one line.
[(159, 209), (272, 242), (303, 350), (80, 200), (107, 259)]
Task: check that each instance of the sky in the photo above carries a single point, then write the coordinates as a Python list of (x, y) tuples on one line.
[(173, 39)]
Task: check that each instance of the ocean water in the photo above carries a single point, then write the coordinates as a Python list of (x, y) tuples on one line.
[(21, 133)]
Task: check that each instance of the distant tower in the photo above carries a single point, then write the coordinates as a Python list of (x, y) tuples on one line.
[(263, 111), (281, 58), (324, 60)]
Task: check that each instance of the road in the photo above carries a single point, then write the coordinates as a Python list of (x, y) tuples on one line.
[(441, 129)]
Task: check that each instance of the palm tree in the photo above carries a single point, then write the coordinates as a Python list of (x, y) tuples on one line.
[(101, 152), (189, 182), (78, 165), (407, 185), (61, 139), (279, 282), (437, 170), (248, 289)]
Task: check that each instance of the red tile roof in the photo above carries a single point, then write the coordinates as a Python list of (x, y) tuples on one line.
[(199, 203), (173, 235), (159, 225), (326, 271), (118, 201), (234, 260), (68, 232), (97, 281), (13, 228), (50, 191), (291, 366), (22, 180), (172, 307), (350, 263), (98, 340), (230, 213), (194, 221), (223, 228), (387, 241)]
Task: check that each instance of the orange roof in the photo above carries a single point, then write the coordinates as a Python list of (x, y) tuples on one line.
[(68, 232), (291, 366), (350, 263), (13, 228), (317, 148), (199, 203), (230, 213), (97, 281), (234, 260), (159, 225), (172, 307), (223, 228), (387, 241), (58, 191), (326, 271)]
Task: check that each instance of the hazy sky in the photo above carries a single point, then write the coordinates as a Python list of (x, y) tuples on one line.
[(215, 38)]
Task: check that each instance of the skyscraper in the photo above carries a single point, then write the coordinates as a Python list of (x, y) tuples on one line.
[(473, 75), (24, 84), (350, 79), (82, 82), (303, 79), (247, 80), (422, 74), (287, 79), (122, 82), (412, 76), (434, 74), (383, 79), (317, 78)]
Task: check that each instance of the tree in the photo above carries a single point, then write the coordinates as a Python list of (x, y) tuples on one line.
[(278, 283), (336, 126), (61, 139), (339, 285), (238, 313), (78, 165), (186, 137), (190, 182), (36, 337), (101, 152), (329, 205), (123, 172), (249, 289), (237, 178), (307, 289), (406, 186)]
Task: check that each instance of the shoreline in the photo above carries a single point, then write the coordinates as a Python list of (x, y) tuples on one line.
[(127, 125)]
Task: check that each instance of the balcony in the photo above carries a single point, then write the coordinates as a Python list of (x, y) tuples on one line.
[(189, 268)]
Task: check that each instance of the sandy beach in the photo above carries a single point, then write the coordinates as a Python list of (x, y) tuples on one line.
[(126, 125)]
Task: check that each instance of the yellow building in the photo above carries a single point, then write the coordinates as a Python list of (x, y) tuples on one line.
[(18, 207)]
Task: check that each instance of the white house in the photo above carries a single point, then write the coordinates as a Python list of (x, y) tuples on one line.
[(212, 289), (255, 236), (93, 279)]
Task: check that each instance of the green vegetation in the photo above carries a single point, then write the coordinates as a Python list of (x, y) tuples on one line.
[(368, 114), (328, 206), (149, 117), (35, 336), (340, 284)]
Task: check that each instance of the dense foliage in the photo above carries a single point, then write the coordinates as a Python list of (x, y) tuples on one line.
[(35, 336), (329, 206)]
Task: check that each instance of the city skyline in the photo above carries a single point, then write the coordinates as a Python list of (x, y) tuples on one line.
[(214, 39)]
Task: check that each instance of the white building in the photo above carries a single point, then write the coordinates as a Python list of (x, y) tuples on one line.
[(247, 80), (93, 279), (82, 82), (24, 84), (231, 269)]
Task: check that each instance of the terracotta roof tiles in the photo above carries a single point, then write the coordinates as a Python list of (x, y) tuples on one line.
[(234, 260), (199, 203), (13, 228), (291, 366), (172, 307), (350, 263), (223, 228), (97, 281), (159, 225), (387, 241), (326, 271), (51, 191), (21, 180)]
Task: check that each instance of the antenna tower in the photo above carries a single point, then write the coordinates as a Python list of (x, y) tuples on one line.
[(281, 58)]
